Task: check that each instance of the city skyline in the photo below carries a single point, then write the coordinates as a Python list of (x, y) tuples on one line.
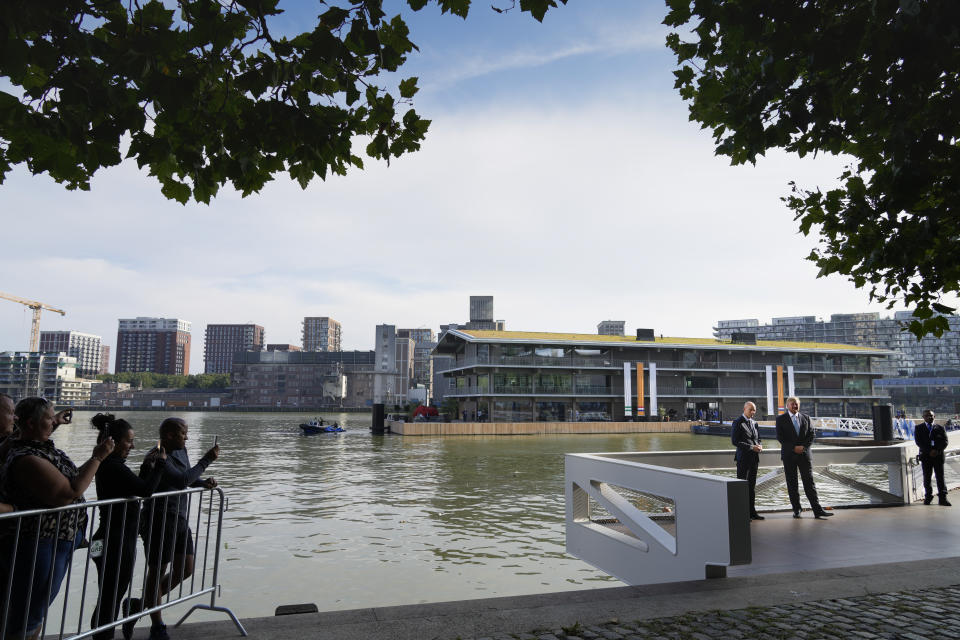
[(560, 175)]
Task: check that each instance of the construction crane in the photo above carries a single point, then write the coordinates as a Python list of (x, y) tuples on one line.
[(36, 306)]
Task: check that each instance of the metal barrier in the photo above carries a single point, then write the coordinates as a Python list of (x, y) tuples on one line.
[(646, 517), (79, 596)]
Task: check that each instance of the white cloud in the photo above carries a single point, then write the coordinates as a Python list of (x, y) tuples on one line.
[(567, 216)]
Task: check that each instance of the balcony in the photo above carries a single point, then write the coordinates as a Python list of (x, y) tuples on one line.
[(691, 392), (574, 362), (534, 389)]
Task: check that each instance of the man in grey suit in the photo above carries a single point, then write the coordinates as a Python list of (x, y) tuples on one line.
[(746, 438), (795, 434)]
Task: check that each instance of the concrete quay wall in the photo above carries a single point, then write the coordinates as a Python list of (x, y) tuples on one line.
[(532, 428)]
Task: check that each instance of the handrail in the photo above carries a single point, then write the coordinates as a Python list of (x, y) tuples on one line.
[(71, 601), (616, 502)]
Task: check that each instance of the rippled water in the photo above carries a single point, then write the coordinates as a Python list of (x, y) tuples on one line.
[(356, 520)]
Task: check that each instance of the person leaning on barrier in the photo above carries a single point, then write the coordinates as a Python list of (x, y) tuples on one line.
[(746, 438), (6, 429), (163, 523), (795, 434), (116, 535), (931, 439), (37, 475)]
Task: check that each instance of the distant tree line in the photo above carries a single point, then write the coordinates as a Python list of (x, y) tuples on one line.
[(149, 380)]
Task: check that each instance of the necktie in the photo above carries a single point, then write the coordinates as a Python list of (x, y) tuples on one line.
[(796, 423)]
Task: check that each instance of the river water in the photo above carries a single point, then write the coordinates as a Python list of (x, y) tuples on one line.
[(355, 520)]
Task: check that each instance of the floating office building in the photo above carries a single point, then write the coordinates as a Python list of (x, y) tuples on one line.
[(518, 376)]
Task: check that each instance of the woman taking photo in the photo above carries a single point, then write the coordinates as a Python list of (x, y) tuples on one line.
[(37, 475), (117, 532)]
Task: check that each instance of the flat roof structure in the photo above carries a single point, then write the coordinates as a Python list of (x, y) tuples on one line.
[(523, 376)]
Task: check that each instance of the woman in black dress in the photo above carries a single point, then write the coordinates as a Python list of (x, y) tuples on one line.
[(117, 533)]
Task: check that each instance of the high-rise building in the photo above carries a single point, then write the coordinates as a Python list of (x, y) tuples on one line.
[(611, 328), (321, 334), (393, 365), (424, 340), (929, 356), (224, 340), (105, 359), (85, 347), (481, 315), (157, 345), (50, 375), (481, 308)]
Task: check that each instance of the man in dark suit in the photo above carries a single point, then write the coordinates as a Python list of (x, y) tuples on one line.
[(795, 434), (746, 438), (931, 439)]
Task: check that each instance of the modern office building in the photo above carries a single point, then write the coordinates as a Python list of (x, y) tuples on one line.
[(224, 340), (611, 328), (424, 340), (394, 366), (321, 334), (911, 395), (930, 356), (513, 376), (50, 375), (441, 384), (157, 345), (85, 347)]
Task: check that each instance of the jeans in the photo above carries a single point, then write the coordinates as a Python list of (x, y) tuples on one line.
[(49, 567)]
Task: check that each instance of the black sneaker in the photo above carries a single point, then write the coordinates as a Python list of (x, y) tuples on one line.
[(928, 500), (129, 606), (159, 632), (943, 502)]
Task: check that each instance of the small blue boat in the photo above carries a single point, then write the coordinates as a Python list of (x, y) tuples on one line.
[(316, 426)]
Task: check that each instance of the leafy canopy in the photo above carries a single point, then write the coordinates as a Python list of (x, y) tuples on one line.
[(149, 380), (206, 90), (877, 81)]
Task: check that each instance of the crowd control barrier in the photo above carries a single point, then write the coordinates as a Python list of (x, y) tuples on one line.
[(72, 613)]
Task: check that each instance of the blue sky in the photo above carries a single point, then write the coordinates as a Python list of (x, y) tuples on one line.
[(560, 175)]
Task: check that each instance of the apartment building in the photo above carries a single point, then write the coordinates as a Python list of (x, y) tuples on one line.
[(157, 345), (321, 334), (222, 341), (85, 347)]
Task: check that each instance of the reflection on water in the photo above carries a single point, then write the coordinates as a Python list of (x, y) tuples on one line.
[(356, 520)]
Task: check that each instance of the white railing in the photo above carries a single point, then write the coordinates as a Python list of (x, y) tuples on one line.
[(646, 518), (632, 545), (857, 425)]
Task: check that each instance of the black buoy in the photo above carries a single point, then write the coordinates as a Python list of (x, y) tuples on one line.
[(378, 425), (883, 422)]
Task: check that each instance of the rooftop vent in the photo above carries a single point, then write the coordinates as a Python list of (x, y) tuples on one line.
[(645, 335), (743, 338)]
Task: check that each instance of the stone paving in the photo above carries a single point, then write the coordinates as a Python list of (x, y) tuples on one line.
[(924, 614)]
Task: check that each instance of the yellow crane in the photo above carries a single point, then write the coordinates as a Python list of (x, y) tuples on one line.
[(36, 306)]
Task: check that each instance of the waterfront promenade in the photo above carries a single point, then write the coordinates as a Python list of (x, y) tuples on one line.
[(867, 573)]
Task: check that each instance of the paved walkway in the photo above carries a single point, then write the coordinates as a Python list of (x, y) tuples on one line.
[(909, 600), (917, 615), (867, 573)]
